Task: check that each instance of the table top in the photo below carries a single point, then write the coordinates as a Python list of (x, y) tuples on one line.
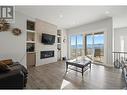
[(78, 63)]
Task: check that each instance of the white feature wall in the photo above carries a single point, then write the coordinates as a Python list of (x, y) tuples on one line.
[(120, 39), (45, 27), (105, 26), (11, 46)]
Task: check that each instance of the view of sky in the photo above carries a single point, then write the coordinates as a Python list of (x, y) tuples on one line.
[(73, 40), (98, 39), (79, 39)]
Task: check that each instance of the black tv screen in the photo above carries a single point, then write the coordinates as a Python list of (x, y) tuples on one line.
[(48, 39)]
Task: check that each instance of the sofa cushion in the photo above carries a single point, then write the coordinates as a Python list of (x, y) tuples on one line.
[(16, 65), (4, 67), (7, 61)]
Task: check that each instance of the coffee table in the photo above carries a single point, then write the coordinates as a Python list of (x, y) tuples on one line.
[(83, 64)]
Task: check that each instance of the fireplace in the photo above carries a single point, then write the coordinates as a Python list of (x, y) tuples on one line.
[(46, 54)]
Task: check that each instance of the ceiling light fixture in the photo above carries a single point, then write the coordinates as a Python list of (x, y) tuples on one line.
[(61, 16), (107, 12), (74, 22)]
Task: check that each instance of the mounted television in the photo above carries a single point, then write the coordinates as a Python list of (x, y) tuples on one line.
[(48, 39)]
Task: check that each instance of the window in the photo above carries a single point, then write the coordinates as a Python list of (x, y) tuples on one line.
[(94, 46), (79, 45), (89, 45), (73, 46), (98, 47), (76, 42)]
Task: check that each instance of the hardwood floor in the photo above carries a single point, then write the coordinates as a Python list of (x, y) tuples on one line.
[(52, 76)]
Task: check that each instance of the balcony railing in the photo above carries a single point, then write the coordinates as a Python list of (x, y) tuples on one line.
[(119, 59)]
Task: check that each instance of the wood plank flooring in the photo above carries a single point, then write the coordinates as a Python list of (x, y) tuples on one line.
[(52, 76)]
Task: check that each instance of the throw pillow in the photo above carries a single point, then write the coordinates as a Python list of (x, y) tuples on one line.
[(7, 61), (4, 67)]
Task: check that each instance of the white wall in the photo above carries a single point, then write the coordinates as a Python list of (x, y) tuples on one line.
[(64, 44), (14, 46), (120, 39), (98, 26), (45, 27)]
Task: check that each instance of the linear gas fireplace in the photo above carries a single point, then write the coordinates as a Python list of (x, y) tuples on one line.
[(46, 54)]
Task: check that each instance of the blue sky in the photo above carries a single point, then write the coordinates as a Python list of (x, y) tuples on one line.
[(98, 39), (79, 39)]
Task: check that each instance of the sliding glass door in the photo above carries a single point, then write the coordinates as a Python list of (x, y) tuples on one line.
[(76, 47), (98, 47), (94, 46), (79, 45), (89, 45), (73, 46)]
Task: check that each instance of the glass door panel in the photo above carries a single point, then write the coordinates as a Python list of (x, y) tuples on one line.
[(79, 45), (89, 45), (98, 47), (73, 47)]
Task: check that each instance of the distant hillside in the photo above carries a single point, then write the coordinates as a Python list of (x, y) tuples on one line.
[(101, 46)]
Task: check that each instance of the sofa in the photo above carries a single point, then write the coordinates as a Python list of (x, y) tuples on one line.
[(15, 78)]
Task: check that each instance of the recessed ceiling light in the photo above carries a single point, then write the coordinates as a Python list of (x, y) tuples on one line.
[(75, 23), (107, 12), (61, 16)]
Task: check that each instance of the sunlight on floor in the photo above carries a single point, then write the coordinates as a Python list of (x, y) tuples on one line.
[(64, 83)]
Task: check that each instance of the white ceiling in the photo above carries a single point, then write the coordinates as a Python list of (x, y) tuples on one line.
[(71, 16)]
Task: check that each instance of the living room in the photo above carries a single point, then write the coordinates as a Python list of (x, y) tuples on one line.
[(44, 39)]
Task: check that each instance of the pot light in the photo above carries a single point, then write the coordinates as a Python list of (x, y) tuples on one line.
[(61, 16), (107, 12)]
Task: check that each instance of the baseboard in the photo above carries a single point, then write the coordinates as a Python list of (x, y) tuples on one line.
[(45, 63), (107, 65)]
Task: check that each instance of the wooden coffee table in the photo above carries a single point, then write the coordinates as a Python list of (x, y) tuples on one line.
[(83, 64)]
